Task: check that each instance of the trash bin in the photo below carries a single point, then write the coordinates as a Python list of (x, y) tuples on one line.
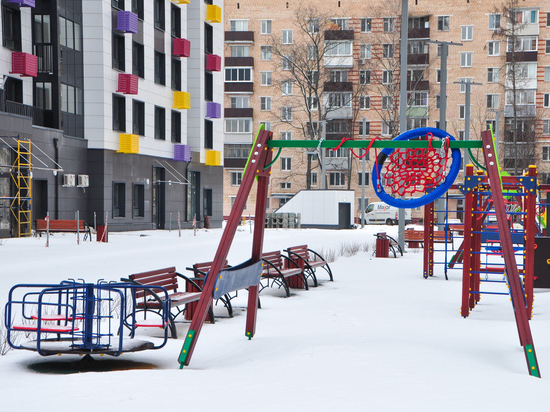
[(382, 245), (207, 222), (102, 233)]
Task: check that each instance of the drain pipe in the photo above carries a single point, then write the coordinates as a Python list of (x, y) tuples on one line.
[(56, 178)]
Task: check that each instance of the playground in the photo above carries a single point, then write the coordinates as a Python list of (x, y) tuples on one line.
[(379, 336)]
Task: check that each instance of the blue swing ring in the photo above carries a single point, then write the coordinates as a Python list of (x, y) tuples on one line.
[(434, 194)]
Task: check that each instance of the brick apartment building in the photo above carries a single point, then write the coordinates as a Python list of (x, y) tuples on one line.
[(360, 71)]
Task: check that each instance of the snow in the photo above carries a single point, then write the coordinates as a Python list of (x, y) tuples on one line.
[(378, 338)]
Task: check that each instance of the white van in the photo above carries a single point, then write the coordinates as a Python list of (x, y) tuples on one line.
[(379, 213)]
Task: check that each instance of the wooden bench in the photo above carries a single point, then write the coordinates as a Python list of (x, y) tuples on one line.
[(149, 300), (278, 267), (65, 226), (199, 273), (309, 260), (415, 238), (439, 236)]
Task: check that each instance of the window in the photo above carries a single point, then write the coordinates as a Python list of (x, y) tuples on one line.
[(238, 125), (266, 78), (119, 199), (387, 102), (208, 86), (286, 88), (547, 74), (492, 74), (438, 75), (365, 51), (312, 78), (443, 23), (313, 26), (11, 28), (364, 102), (265, 52), (208, 134), (547, 47), (43, 96), (138, 60), (313, 178), (339, 99), (338, 76), (546, 99), (522, 70), (342, 24), (117, 4), (523, 43), (286, 163), (524, 16), (467, 33), (389, 24), (265, 103), (438, 102), (118, 52), (160, 68), (267, 125), (266, 26), (137, 8), (415, 123), (340, 152), (286, 135), (387, 51), (546, 127), (242, 51), (287, 36), (159, 14), (240, 25), (238, 74), (160, 123), (176, 127), (388, 127), (236, 151), (286, 62), (71, 97), (286, 185), (363, 177), (338, 48), (494, 21), (466, 59), (138, 200), (208, 38), (521, 97), (138, 117), (176, 75), (366, 133), (312, 52), (492, 101), (418, 98), (337, 178), (461, 111), (366, 25), (240, 102), (493, 48), (415, 75), (175, 20), (387, 77), (364, 76), (546, 153), (417, 47), (70, 32), (119, 113), (313, 103), (236, 178), (286, 113)]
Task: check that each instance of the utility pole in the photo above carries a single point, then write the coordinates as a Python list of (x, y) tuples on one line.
[(468, 89), (363, 160)]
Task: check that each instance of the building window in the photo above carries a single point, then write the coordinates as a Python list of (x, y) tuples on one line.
[(138, 200), (494, 21), (118, 4), (338, 76), (236, 178), (546, 153), (466, 59), (265, 52), (365, 51), (492, 101), (208, 134), (287, 36), (363, 177), (492, 74), (119, 58), (523, 43), (387, 77), (313, 26), (364, 76), (238, 125), (266, 78), (266, 27), (364, 102), (138, 60), (71, 97), (286, 62), (443, 23), (238, 74), (286, 163), (286, 113), (547, 48), (11, 28), (208, 86), (338, 48), (337, 178), (366, 25), (286, 185), (159, 14), (240, 102), (313, 178), (267, 125), (387, 51), (418, 98), (208, 39), (367, 130), (461, 111), (236, 151), (286, 135), (176, 75), (70, 32), (238, 25), (546, 99), (119, 199), (137, 8), (138, 117), (175, 20), (467, 33), (546, 127), (286, 88), (160, 123), (242, 51), (160, 68), (341, 99), (176, 127), (43, 96), (389, 24), (265, 103), (387, 102), (119, 113), (493, 48)]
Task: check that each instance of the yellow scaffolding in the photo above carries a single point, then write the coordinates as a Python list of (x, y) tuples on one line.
[(21, 176)]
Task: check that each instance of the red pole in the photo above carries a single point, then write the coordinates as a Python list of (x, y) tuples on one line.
[(467, 244), (530, 228)]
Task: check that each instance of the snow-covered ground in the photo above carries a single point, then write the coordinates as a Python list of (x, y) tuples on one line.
[(378, 338)]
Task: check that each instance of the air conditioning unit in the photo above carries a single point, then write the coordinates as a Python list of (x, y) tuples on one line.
[(68, 180), (362, 62), (83, 180)]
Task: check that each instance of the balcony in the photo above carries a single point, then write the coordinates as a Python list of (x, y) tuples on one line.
[(339, 35), (338, 87), (239, 36), (525, 56), (239, 87), (418, 33), (418, 85), (239, 62), (423, 58), (523, 110), (44, 54), (245, 112), (338, 61), (231, 162)]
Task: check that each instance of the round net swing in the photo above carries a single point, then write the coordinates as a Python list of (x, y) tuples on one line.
[(410, 171)]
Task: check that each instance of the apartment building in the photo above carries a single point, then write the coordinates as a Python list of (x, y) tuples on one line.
[(119, 103), (502, 48)]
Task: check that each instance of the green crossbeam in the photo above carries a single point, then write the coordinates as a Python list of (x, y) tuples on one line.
[(185, 349), (391, 144)]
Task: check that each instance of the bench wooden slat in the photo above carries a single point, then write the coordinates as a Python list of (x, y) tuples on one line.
[(310, 260)]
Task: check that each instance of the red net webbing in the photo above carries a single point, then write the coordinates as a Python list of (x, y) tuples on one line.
[(415, 170)]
